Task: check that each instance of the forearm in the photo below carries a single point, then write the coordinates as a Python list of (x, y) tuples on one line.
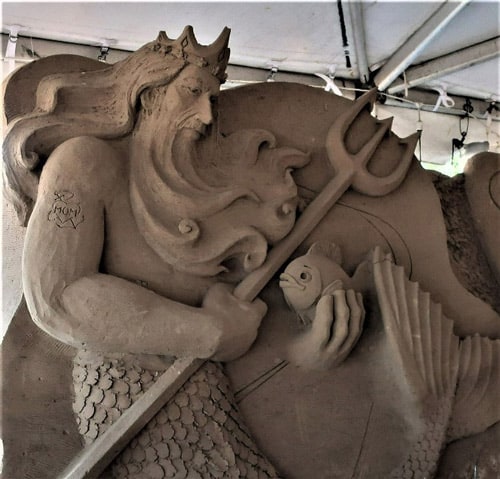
[(107, 313)]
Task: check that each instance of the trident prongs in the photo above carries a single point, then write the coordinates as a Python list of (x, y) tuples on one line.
[(339, 157), (363, 156), (343, 161), (369, 184), (347, 118), (397, 176)]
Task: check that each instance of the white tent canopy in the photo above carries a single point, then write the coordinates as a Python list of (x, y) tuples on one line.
[(403, 48), (423, 54)]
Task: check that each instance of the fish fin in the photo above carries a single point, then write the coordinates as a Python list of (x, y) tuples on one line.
[(477, 402), (420, 336), (326, 249), (332, 287)]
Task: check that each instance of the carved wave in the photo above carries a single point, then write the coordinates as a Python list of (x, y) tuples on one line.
[(207, 218)]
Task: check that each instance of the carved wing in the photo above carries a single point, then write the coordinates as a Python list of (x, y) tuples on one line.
[(420, 335)]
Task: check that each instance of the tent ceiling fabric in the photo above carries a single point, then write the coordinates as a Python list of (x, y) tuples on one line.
[(306, 37), (298, 37)]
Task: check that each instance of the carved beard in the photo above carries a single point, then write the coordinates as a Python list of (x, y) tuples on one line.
[(177, 159), (197, 215)]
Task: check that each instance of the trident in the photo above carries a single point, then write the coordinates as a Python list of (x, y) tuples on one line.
[(350, 171)]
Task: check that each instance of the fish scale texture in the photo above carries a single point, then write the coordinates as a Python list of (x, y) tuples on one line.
[(423, 458), (199, 433)]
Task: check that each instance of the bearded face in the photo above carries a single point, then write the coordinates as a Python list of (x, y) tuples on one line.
[(188, 100), (208, 207), (177, 115)]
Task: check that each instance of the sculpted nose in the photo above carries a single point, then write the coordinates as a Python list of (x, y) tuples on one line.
[(205, 114)]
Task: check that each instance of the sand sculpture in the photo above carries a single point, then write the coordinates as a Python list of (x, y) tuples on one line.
[(148, 195)]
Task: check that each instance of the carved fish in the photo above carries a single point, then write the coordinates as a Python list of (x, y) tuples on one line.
[(311, 276)]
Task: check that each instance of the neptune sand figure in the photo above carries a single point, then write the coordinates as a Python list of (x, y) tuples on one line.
[(148, 195)]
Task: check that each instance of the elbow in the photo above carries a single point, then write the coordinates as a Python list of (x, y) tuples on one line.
[(48, 314)]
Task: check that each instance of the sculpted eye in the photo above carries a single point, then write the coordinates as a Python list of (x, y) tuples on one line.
[(305, 276), (193, 90)]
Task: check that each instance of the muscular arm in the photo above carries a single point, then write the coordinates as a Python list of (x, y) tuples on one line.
[(67, 295)]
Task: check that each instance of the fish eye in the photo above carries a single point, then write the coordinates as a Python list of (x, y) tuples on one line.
[(305, 276)]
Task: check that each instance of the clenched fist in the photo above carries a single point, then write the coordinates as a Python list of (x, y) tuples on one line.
[(236, 321)]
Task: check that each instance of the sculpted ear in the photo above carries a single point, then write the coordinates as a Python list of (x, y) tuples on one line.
[(326, 249)]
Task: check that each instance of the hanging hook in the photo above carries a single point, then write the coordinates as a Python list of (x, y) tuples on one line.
[(420, 129), (491, 107), (103, 53), (31, 51), (489, 118), (420, 123), (330, 84), (10, 51), (272, 73), (443, 98), (457, 144), (405, 84), (104, 46)]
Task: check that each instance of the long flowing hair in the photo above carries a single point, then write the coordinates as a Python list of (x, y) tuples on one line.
[(101, 103)]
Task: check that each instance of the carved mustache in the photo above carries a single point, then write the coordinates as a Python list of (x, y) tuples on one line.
[(192, 123)]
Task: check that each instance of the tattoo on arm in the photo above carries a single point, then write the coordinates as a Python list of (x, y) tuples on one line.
[(66, 211)]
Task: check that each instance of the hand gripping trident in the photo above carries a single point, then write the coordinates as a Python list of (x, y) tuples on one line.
[(350, 171)]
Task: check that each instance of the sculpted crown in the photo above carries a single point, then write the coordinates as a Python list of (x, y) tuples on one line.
[(214, 57)]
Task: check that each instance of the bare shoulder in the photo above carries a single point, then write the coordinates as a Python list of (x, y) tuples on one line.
[(87, 163)]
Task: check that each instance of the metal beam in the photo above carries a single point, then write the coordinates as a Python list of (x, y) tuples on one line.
[(450, 63), (358, 30), (417, 42)]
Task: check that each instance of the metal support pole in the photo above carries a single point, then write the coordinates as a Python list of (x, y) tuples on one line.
[(450, 63), (417, 42), (358, 27)]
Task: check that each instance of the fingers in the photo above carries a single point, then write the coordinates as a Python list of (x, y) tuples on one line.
[(341, 325), (217, 295), (321, 330), (334, 332), (236, 321), (356, 319), (349, 317)]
